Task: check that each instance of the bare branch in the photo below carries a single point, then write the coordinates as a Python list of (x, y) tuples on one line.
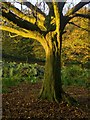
[(82, 15), (18, 21), (76, 8), (61, 5), (12, 36), (57, 20), (20, 14), (51, 10), (57, 16), (78, 26), (35, 9)]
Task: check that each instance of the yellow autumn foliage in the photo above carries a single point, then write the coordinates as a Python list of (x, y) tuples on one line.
[(76, 42)]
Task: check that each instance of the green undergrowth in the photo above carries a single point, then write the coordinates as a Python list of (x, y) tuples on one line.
[(75, 75), (14, 74)]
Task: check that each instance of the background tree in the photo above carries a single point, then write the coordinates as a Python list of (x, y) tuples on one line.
[(48, 30)]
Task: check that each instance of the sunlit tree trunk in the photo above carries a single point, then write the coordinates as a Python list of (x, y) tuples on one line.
[(52, 86)]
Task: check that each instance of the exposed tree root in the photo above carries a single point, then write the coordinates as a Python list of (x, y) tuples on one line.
[(69, 100), (64, 97)]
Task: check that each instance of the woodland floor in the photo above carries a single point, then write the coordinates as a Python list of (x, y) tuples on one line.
[(21, 103)]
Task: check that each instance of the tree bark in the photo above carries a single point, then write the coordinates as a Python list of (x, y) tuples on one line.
[(52, 87)]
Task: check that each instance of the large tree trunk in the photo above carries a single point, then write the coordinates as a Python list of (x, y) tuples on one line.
[(52, 84), (52, 87)]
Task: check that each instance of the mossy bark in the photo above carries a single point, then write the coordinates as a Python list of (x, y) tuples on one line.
[(52, 87), (52, 84)]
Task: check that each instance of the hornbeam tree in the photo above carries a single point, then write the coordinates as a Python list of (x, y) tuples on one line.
[(48, 30)]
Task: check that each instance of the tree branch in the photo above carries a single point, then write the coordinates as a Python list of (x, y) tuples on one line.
[(57, 20), (39, 14), (30, 34), (5, 21), (61, 5), (77, 7), (78, 26), (51, 10), (18, 21), (82, 15), (20, 14), (13, 36)]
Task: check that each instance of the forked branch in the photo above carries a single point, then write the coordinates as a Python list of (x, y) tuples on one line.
[(19, 21), (23, 16)]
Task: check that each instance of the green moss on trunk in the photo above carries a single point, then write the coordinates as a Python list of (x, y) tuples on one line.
[(52, 87)]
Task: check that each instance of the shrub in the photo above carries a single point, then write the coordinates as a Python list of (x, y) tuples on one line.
[(75, 75), (21, 72)]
